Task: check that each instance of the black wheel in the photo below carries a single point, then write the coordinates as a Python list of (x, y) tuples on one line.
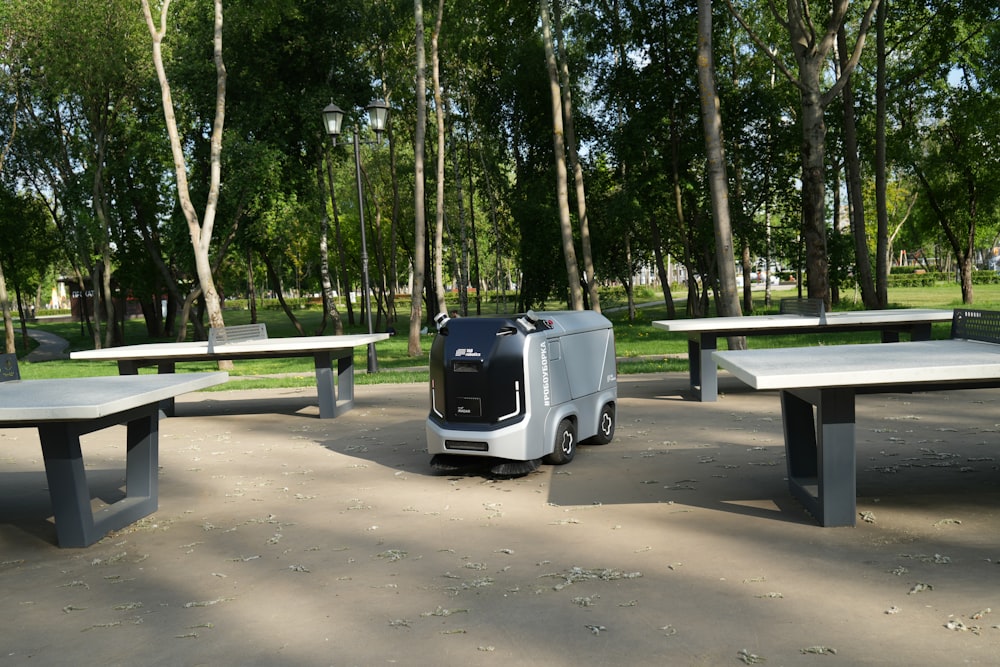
[(605, 426), (565, 443)]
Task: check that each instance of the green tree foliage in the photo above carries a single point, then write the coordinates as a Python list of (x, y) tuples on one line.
[(81, 129), (946, 141), (27, 247)]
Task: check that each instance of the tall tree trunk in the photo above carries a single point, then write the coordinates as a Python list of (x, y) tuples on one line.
[(834, 286), (962, 241), (668, 298), (200, 231), (95, 280), (100, 210), (463, 236), (813, 154), (419, 211), (377, 284), (8, 320), (252, 287), (628, 278), (393, 230), (852, 167), (476, 282), (882, 244), (729, 301), (810, 45), (562, 184), (329, 298), (342, 273), (574, 161), (693, 305), (439, 200), (498, 268), (280, 292)]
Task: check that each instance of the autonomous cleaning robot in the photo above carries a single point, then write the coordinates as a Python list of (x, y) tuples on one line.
[(507, 393)]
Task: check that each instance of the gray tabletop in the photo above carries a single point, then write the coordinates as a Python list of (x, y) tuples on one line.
[(850, 318), (866, 364), (93, 397), (295, 344)]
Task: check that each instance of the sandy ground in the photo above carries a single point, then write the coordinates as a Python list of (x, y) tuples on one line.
[(285, 539)]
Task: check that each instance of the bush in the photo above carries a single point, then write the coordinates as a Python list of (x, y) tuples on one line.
[(985, 277), (913, 279)]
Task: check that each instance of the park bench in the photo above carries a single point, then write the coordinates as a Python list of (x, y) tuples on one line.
[(796, 306), (818, 386), (981, 325), (236, 334), (796, 316)]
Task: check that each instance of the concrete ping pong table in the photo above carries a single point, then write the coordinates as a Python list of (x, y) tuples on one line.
[(819, 384), (63, 410), (323, 350), (704, 333)]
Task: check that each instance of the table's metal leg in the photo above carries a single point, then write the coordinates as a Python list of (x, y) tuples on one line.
[(131, 367), (921, 331), (345, 381), (325, 391), (916, 331), (820, 452), (703, 374), (76, 523), (142, 459), (167, 406), (67, 485)]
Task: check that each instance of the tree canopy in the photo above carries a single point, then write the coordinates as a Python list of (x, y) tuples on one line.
[(807, 96)]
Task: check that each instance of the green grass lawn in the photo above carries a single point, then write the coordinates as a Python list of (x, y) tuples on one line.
[(640, 347)]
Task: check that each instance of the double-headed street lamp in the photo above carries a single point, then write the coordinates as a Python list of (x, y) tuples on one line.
[(378, 116)]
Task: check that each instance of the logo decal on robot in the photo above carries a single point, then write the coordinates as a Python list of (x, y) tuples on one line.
[(546, 398)]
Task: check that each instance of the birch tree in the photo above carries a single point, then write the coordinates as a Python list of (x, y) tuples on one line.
[(9, 132), (199, 229), (811, 44), (574, 161), (439, 111), (419, 211), (559, 148), (729, 300)]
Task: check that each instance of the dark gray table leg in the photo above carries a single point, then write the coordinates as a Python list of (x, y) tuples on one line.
[(167, 406), (76, 523), (820, 452), (916, 331), (325, 391), (703, 374), (921, 331), (334, 400), (131, 367), (345, 381)]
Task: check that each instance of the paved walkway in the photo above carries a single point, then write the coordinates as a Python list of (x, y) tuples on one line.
[(50, 346), (285, 539)]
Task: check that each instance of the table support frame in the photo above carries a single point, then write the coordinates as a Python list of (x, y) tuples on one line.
[(77, 525)]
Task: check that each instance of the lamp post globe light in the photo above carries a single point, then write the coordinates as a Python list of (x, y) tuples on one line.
[(378, 116)]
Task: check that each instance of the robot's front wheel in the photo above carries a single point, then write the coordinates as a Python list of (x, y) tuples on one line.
[(565, 443)]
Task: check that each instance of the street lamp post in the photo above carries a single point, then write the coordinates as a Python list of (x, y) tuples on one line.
[(333, 117)]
